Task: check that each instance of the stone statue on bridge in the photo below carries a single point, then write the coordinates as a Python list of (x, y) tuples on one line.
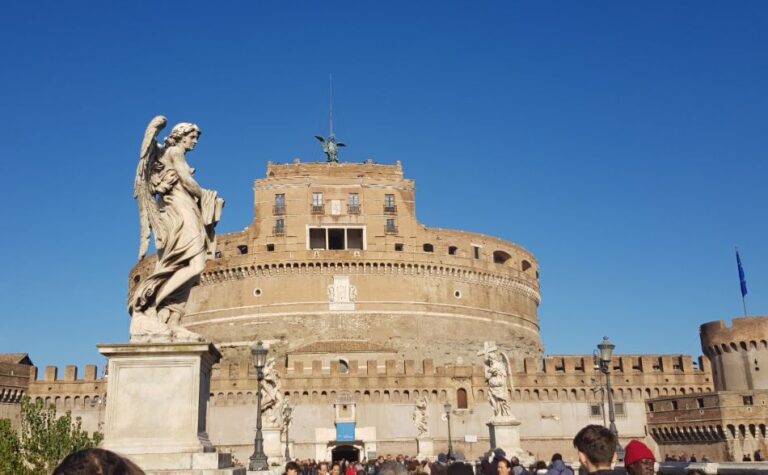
[(182, 216), (497, 370)]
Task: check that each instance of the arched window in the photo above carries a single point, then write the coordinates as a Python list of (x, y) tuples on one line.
[(452, 250), (525, 265), (461, 398), (429, 247), (500, 257)]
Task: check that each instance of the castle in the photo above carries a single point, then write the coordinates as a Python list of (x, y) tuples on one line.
[(366, 311)]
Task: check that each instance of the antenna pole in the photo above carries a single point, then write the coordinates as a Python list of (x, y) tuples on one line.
[(330, 76)]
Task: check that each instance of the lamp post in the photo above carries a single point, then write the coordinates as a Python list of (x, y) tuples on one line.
[(259, 458), (287, 412), (447, 407), (606, 353)]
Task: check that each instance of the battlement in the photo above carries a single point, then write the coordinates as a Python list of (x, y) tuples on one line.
[(369, 169), (566, 365), (69, 375), (743, 334)]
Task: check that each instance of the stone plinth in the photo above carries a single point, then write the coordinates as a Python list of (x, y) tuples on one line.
[(505, 434), (156, 406), (425, 448)]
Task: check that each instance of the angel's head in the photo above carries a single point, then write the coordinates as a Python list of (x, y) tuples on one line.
[(184, 135)]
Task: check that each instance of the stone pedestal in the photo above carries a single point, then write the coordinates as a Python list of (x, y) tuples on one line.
[(505, 434), (425, 447), (156, 407)]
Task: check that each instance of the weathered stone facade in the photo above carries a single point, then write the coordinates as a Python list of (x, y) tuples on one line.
[(335, 252), (14, 384), (729, 422)]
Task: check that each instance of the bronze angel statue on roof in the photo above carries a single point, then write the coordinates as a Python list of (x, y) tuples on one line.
[(330, 147), (182, 216)]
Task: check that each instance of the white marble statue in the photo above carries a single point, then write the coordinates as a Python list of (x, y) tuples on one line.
[(419, 416), (182, 216), (497, 371), (272, 396)]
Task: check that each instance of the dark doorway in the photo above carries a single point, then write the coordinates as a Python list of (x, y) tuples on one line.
[(336, 239), (346, 452)]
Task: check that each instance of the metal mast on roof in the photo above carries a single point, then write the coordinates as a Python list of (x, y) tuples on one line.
[(330, 147)]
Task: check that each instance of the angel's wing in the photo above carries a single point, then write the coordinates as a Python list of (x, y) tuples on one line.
[(341, 144), (321, 139), (148, 211)]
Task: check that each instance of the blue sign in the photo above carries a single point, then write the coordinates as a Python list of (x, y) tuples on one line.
[(345, 431)]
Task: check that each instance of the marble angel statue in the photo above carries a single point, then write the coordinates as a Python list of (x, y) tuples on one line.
[(497, 369), (182, 216)]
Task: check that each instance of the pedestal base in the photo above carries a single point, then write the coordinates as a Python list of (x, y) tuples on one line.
[(425, 448), (156, 407), (505, 434)]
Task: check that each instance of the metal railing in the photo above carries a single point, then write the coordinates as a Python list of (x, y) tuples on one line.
[(390, 229), (318, 209), (278, 230), (278, 210), (390, 209), (353, 209)]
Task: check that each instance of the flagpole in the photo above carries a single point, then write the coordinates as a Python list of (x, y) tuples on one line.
[(742, 282)]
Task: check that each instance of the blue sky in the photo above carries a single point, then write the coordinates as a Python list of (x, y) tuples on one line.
[(624, 143)]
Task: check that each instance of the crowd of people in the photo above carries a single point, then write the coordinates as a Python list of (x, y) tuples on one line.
[(595, 445)]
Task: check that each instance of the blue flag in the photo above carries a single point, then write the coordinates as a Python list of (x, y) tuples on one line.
[(742, 279)]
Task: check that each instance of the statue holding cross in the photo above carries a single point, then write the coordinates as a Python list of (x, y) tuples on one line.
[(497, 371)]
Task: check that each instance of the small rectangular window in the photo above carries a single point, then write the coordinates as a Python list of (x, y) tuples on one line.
[(700, 402), (279, 227), (279, 207), (317, 199), (595, 410), (747, 400), (270, 248), (353, 205), (399, 247), (618, 408), (389, 204), (476, 251), (391, 226), (674, 405), (650, 407)]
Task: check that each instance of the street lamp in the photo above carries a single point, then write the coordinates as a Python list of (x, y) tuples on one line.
[(606, 352), (287, 411), (259, 458), (447, 407)]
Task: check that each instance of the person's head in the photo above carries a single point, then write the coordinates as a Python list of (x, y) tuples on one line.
[(392, 468), (103, 462), (335, 468), (504, 467), (185, 135), (596, 446), (556, 456), (292, 468), (514, 461), (639, 459), (323, 467), (459, 468), (499, 454)]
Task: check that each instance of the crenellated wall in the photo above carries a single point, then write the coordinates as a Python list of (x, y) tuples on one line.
[(723, 425), (738, 353), (85, 397)]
